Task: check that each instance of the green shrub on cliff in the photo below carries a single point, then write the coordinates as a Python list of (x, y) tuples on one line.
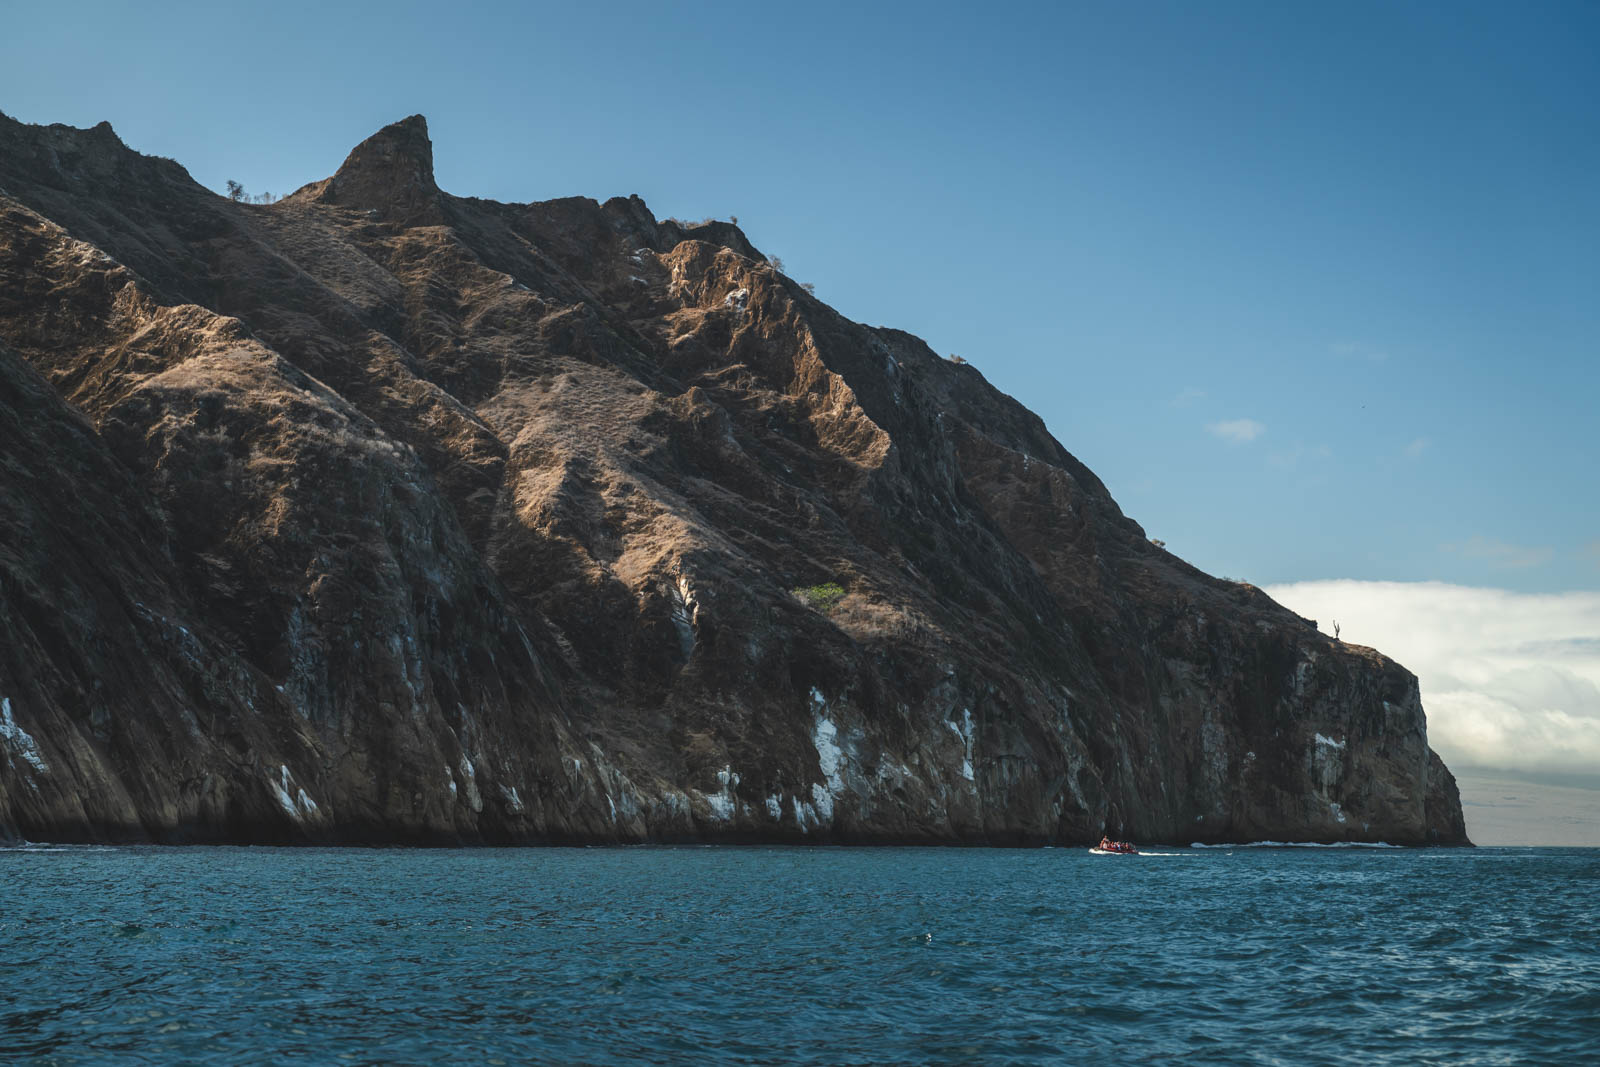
[(824, 598)]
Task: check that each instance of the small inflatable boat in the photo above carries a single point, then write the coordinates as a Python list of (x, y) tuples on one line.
[(1108, 847)]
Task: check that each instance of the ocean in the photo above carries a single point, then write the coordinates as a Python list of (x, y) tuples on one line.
[(1290, 956)]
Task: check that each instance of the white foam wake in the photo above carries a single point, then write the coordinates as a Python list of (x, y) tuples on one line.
[(40, 846), (1300, 844)]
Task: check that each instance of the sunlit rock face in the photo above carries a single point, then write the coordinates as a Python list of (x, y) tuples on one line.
[(380, 514)]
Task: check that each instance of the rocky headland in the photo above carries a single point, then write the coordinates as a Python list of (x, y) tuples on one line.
[(379, 514)]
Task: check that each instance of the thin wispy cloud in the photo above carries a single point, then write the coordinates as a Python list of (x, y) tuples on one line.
[(1290, 458), (1509, 680), (1501, 553), (1356, 350), (1592, 552), (1417, 447), (1237, 431), (1187, 397)]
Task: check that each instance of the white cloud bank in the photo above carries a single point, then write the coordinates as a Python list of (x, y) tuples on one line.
[(1239, 431), (1509, 680)]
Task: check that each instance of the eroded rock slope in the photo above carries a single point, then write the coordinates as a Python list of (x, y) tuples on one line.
[(381, 514)]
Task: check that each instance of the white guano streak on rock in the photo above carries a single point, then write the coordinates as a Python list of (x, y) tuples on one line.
[(513, 799), (723, 803), (1327, 765), (805, 812), (295, 801), (470, 774), (621, 795), (964, 732), (19, 740), (825, 738), (281, 788)]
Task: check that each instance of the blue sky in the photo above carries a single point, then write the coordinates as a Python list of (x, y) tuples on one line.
[(1315, 288)]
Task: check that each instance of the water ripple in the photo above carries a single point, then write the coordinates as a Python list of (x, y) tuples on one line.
[(1257, 956)]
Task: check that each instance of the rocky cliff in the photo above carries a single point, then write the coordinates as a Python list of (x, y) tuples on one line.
[(382, 514)]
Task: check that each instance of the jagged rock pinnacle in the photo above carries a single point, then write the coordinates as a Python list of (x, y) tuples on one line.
[(391, 172)]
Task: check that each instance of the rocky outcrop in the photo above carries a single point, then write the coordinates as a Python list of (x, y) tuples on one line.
[(381, 514)]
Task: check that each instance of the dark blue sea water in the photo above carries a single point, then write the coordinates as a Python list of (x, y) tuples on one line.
[(825, 956)]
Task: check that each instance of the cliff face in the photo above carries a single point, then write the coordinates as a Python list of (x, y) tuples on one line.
[(380, 514)]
